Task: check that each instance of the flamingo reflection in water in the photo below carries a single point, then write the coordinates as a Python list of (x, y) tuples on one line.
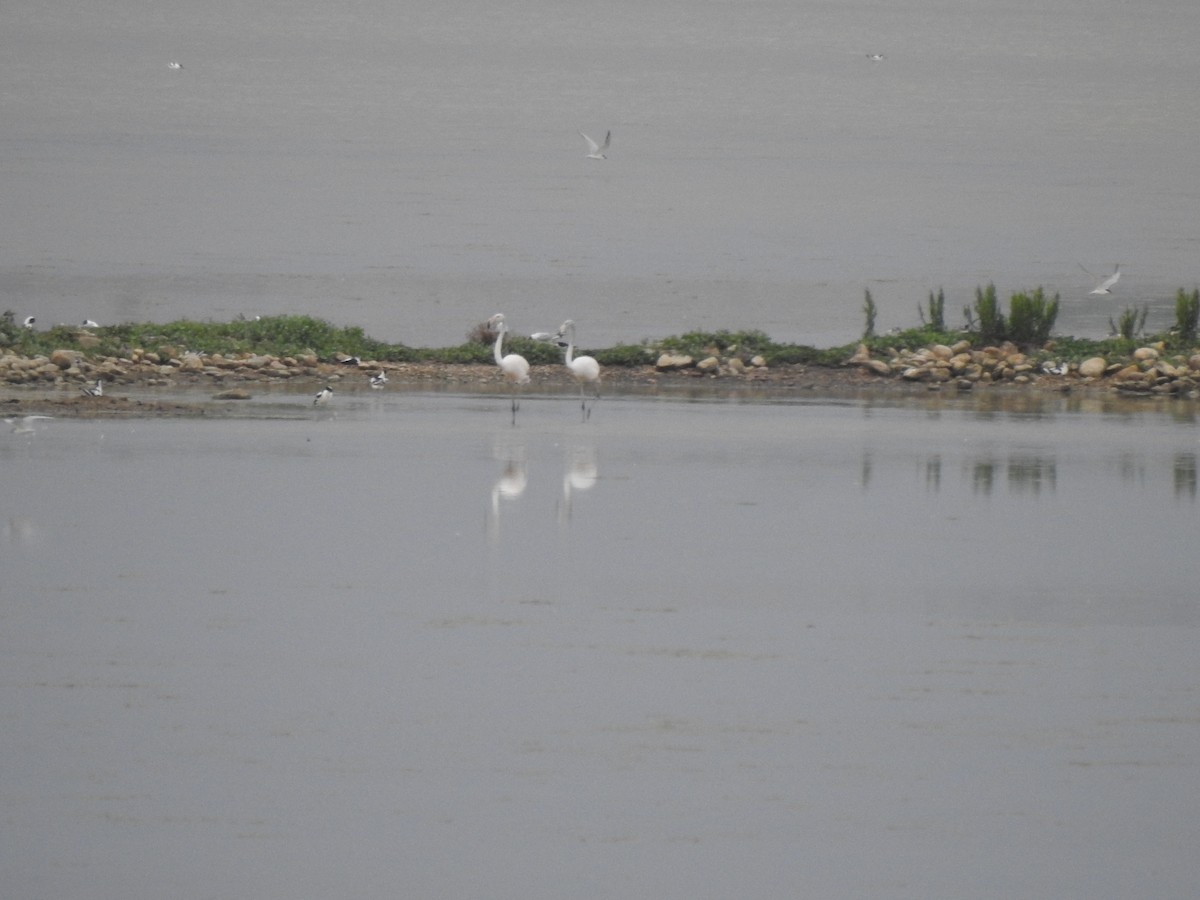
[(580, 474)]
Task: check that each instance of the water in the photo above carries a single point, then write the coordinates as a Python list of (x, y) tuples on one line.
[(696, 647), (414, 168)]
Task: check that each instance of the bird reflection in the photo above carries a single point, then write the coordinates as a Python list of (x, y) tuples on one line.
[(510, 485), (580, 474)]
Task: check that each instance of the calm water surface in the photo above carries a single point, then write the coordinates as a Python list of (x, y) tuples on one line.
[(412, 168), (691, 648)]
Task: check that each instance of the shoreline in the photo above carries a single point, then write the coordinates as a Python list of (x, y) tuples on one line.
[(215, 391)]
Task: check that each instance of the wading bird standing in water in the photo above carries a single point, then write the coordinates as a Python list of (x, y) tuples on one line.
[(513, 367), (584, 369), (1105, 286), (324, 395), (96, 391)]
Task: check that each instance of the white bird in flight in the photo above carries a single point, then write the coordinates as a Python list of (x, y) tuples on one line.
[(1105, 286), (378, 381), (596, 151), (24, 424), (584, 369), (174, 65), (514, 367)]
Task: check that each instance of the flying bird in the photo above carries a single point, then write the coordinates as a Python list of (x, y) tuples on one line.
[(584, 369), (323, 396), (514, 367), (1105, 286), (596, 151), (174, 65), (876, 57), (378, 381), (24, 424)]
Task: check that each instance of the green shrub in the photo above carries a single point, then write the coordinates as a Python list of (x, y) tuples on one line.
[(937, 312), (869, 310), (1130, 323), (1031, 317), (1187, 315), (986, 317)]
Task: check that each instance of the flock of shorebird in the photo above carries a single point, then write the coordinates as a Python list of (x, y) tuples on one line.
[(514, 368)]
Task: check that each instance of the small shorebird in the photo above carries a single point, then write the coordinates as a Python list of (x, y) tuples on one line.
[(378, 381), (24, 424), (96, 390), (323, 396), (596, 151), (1105, 286)]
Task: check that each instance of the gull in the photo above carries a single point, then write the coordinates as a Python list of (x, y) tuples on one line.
[(1104, 287), (96, 391), (323, 396), (24, 424), (596, 151), (378, 381), (90, 323), (876, 57)]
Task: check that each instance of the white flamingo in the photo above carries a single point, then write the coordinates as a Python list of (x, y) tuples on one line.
[(514, 367), (584, 369)]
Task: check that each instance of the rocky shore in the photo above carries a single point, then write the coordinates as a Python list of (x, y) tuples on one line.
[(57, 381)]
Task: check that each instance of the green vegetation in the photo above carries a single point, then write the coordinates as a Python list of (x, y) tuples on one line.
[(1130, 323), (1031, 318), (1187, 315), (937, 312), (1028, 323), (869, 311)]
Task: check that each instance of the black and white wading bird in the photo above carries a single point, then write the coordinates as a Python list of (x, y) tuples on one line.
[(29, 320), (378, 381), (514, 367), (324, 395), (95, 390), (596, 151)]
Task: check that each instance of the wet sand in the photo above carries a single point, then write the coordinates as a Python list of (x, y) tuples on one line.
[(197, 396)]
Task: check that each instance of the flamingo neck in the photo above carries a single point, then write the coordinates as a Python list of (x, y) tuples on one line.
[(496, 346), (570, 344)]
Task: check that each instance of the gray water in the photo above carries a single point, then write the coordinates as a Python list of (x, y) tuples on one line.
[(414, 167), (693, 647)]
